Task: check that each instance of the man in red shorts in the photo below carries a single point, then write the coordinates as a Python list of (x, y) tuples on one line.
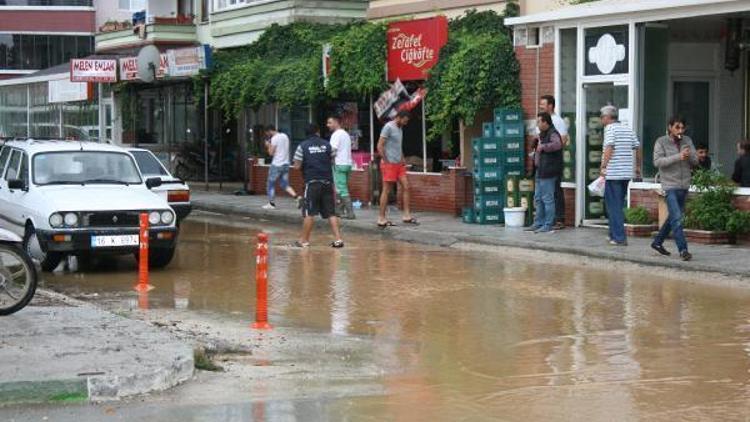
[(393, 167)]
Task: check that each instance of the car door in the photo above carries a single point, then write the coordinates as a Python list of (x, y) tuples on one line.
[(9, 214), (19, 198), (4, 194)]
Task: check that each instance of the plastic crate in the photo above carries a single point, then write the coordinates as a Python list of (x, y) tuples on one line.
[(514, 170), (468, 215), (512, 130), (488, 161), (526, 185), (488, 174), (514, 145), (486, 145), (490, 216), (488, 130), (514, 159), (526, 200), (495, 187), (489, 201), (508, 115)]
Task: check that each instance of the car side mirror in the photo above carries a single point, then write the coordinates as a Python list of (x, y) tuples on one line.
[(153, 182), (17, 184)]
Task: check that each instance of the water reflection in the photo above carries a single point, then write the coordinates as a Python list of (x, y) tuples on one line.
[(461, 335)]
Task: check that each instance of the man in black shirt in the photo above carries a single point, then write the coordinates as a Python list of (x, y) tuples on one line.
[(741, 174), (315, 157), (704, 160)]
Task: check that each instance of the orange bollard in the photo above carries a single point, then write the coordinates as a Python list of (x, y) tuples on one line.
[(143, 285), (261, 284)]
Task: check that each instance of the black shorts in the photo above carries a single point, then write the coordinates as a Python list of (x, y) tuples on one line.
[(319, 200)]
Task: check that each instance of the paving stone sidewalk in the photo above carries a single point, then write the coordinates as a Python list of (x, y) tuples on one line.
[(445, 230), (62, 350)]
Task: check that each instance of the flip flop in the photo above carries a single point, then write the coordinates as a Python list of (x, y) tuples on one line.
[(386, 225), (337, 244), (298, 244), (413, 221)]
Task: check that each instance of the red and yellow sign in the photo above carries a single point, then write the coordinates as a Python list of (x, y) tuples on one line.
[(414, 47)]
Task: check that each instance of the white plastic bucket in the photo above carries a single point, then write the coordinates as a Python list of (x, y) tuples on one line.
[(515, 217)]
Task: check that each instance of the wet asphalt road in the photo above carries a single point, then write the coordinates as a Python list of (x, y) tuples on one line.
[(457, 335)]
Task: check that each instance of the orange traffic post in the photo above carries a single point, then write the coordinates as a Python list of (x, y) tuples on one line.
[(261, 284), (143, 285)]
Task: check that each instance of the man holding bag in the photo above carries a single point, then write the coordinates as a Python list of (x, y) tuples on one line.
[(674, 156), (620, 146)]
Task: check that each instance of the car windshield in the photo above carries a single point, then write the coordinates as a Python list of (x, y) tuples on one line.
[(85, 167), (149, 164)]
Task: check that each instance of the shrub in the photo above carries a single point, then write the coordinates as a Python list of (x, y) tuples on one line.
[(638, 215), (711, 209)]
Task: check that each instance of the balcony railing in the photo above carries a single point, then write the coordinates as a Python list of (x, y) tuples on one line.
[(21, 3)]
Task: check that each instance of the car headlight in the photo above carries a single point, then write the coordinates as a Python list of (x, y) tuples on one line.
[(71, 219), (167, 217), (154, 218), (56, 220)]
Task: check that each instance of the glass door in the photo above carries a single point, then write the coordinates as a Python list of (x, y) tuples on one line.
[(598, 95)]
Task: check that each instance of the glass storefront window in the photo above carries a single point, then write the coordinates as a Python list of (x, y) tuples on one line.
[(44, 118), (567, 100), (13, 110), (85, 3)]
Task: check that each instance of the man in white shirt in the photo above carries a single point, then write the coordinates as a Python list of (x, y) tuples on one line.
[(547, 105), (278, 147), (342, 145)]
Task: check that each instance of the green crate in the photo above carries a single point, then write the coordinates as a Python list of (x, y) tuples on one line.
[(527, 201), (497, 130), (489, 201), (490, 216), (511, 145), (513, 159), (488, 130), (508, 115), (514, 170), (488, 174), (468, 215), (526, 185), (486, 145), (488, 161), (494, 187), (512, 130)]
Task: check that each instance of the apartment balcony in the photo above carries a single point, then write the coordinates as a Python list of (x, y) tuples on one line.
[(166, 31)]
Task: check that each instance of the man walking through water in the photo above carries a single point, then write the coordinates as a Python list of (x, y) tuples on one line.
[(278, 148), (314, 157), (342, 144), (393, 167)]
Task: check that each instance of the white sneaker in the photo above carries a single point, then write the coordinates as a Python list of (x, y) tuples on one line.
[(269, 206)]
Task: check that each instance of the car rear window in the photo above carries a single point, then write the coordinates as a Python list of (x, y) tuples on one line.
[(149, 164)]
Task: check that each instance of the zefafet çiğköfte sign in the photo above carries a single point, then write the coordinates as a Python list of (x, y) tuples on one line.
[(414, 47)]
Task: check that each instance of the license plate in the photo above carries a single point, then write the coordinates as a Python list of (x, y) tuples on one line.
[(114, 241)]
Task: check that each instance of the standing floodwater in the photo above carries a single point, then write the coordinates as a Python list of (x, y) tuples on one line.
[(468, 335)]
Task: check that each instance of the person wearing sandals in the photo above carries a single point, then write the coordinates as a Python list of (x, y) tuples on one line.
[(314, 157), (342, 169), (393, 168)]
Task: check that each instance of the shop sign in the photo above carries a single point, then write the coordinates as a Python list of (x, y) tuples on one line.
[(607, 51), (129, 68), (63, 91), (188, 61), (93, 70), (414, 46), (396, 99)]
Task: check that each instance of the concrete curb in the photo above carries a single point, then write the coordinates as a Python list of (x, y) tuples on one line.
[(80, 353), (437, 238)]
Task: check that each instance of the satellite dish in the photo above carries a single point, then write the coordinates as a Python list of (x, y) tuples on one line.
[(148, 62)]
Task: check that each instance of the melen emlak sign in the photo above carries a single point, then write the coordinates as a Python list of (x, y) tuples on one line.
[(414, 47), (93, 70)]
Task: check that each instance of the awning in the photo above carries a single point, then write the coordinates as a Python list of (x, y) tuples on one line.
[(639, 10)]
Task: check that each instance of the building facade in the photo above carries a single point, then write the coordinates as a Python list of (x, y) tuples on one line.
[(651, 59)]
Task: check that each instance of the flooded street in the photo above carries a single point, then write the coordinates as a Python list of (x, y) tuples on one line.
[(457, 335)]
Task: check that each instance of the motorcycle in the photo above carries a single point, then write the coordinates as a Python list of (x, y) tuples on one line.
[(18, 274)]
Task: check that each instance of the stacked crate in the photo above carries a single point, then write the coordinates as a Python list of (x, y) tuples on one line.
[(499, 163)]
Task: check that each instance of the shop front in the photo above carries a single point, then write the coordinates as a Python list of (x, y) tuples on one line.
[(651, 59)]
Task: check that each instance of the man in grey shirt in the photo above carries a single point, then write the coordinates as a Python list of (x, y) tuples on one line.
[(393, 167), (674, 156)]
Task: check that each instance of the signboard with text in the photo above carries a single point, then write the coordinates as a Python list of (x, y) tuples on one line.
[(129, 68), (414, 46), (93, 70), (63, 91), (188, 61)]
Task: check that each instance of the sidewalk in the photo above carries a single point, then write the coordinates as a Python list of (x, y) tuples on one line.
[(445, 230), (61, 350)]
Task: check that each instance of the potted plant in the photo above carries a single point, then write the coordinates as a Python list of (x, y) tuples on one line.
[(638, 222), (710, 216)]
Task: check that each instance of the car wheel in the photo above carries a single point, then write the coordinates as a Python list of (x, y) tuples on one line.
[(47, 260), (158, 258)]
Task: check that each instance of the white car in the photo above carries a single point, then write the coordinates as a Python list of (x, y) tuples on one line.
[(174, 190), (81, 198)]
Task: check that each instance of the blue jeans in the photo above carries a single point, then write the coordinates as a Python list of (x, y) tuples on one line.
[(676, 206), (280, 173), (614, 199), (544, 202)]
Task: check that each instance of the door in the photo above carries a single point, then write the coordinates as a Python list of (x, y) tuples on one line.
[(692, 100), (596, 96), (9, 207)]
